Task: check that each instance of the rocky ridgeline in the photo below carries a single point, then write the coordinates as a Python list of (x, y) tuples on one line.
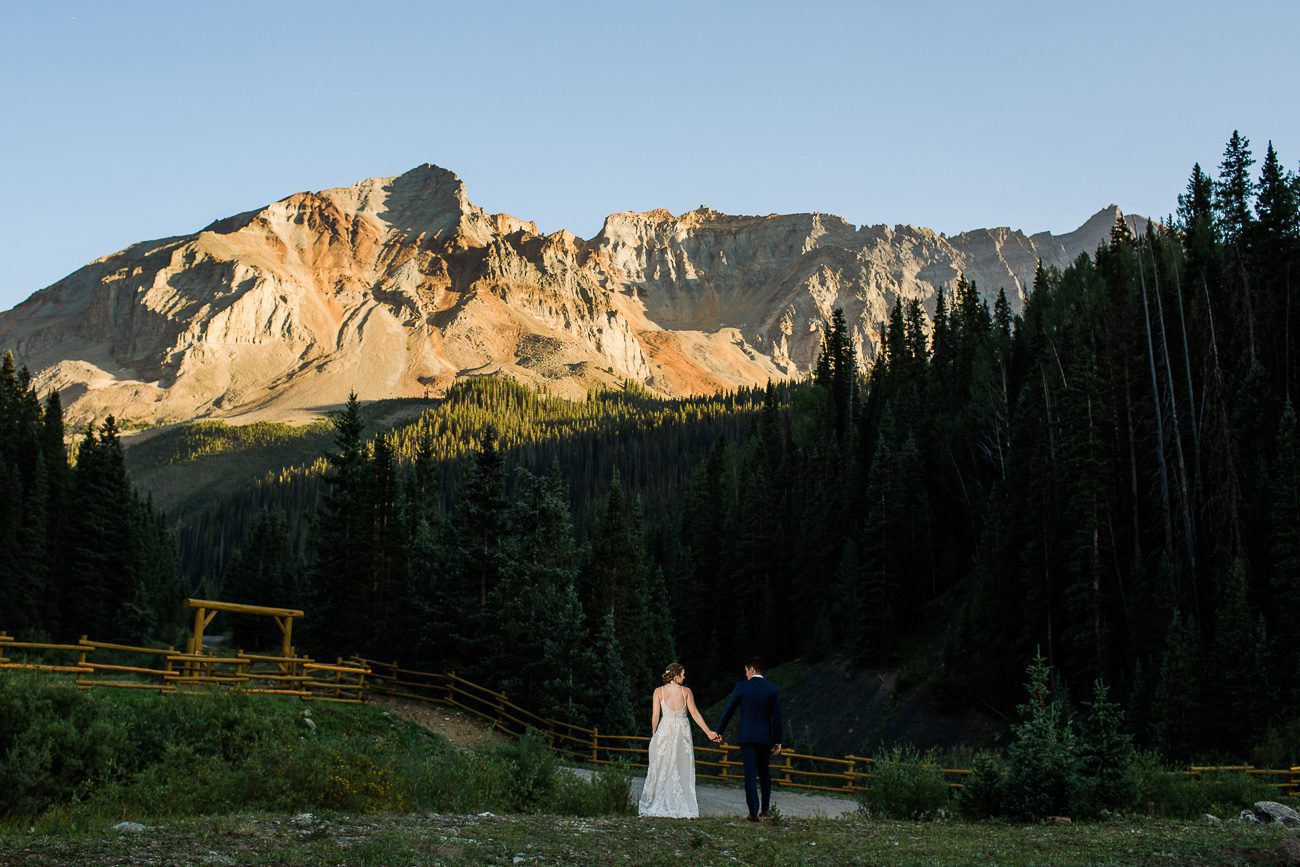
[(398, 286)]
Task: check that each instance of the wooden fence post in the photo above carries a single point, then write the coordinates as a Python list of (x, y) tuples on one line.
[(595, 743)]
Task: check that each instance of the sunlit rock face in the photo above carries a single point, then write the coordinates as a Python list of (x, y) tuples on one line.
[(398, 286)]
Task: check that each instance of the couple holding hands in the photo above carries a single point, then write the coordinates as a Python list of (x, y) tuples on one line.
[(670, 780)]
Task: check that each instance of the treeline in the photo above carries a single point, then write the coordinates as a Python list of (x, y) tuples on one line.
[(498, 589), (1110, 476), (81, 552), (655, 444)]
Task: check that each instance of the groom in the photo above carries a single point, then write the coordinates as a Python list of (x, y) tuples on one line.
[(759, 736)]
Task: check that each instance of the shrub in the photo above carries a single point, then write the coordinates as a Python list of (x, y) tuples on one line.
[(607, 792), (906, 784), (75, 756), (532, 769), (1173, 792), (981, 795)]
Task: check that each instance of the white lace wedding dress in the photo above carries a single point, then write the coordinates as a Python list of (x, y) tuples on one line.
[(670, 780)]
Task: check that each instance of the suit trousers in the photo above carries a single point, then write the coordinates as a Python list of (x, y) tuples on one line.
[(755, 758)]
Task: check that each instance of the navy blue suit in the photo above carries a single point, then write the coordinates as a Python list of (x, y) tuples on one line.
[(760, 727)]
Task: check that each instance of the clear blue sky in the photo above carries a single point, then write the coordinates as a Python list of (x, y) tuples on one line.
[(126, 121)]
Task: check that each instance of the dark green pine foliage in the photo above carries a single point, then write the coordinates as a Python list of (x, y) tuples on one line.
[(837, 368), (1106, 755), (1178, 706), (341, 538), (473, 551), (386, 591), (570, 689), (266, 571), (1235, 190), (1236, 687), (58, 476), (100, 574), (80, 551), (530, 604), (613, 705), (1043, 761), (618, 587), (23, 564), (1284, 587)]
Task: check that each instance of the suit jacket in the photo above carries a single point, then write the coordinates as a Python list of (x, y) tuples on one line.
[(760, 712)]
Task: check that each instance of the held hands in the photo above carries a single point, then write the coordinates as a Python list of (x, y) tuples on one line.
[(715, 737), (776, 749)]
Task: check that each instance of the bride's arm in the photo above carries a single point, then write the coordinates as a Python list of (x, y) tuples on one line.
[(654, 712), (695, 715)]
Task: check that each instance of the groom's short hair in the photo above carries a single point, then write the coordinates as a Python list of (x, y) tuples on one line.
[(756, 663)]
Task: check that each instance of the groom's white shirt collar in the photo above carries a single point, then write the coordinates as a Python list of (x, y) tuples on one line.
[(758, 675)]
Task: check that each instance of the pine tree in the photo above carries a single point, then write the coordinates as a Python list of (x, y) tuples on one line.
[(570, 687), (1236, 688), (1106, 754), (58, 477), (539, 563), (1276, 206), (341, 534), (266, 571), (101, 573), (613, 699), (1043, 760), (1196, 205), (619, 584), (1285, 580), (1177, 713), (1235, 190)]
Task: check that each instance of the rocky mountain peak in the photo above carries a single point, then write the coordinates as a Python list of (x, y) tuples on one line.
[(399, 285)]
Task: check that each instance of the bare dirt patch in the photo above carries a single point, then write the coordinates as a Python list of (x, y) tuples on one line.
[(458, 727)]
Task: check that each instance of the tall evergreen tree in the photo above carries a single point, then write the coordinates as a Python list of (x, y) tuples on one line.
[(341, 542), (1235, 190)]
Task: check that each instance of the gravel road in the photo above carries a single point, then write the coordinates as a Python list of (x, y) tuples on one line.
[(729, 800)]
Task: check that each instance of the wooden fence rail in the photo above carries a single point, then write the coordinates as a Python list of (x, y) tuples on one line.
[(174, 671), (351, 681), (843, 775)]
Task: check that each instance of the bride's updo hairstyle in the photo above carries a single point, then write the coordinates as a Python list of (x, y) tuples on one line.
[(673, 669)]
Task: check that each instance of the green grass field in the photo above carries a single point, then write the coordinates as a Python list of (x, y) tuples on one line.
[(427, 838)]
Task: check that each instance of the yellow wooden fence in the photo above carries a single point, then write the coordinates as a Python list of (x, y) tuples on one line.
[(102, 664), (795, 770), (122, 666), (792, 769)]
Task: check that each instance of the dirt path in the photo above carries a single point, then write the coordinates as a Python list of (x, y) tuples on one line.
[(729, 800)]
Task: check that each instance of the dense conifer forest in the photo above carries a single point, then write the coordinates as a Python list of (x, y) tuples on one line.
[(1109, 476), (81, 551)]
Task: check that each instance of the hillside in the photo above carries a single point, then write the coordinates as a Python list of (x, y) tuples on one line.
[(397, 287)]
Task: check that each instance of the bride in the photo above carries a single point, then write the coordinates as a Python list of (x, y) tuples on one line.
[(670, 780)]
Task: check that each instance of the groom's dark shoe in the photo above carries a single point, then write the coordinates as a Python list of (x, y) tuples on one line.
[(765, 815), (751, 818)]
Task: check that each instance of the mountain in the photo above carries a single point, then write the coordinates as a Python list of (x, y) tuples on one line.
[(399, 286)]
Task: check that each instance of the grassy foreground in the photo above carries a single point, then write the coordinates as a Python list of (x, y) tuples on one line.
[(426, 838)]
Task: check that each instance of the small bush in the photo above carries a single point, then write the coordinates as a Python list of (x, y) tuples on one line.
[(532, 769), (1174, 793), (607, 792), (906, 784), (981, 795)]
